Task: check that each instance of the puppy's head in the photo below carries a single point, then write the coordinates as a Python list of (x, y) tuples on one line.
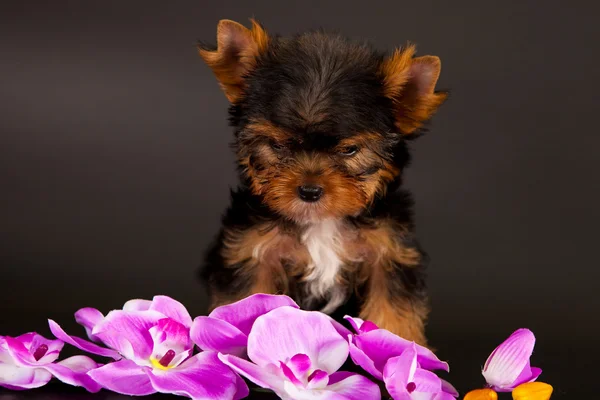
[(320, 122)]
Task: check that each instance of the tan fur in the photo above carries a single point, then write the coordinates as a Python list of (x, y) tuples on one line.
[(384, 252), (237, 50), (401, 317), (270, 258), (410, 84), (260, 252)]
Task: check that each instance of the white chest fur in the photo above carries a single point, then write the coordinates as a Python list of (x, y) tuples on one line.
[(324, 243)]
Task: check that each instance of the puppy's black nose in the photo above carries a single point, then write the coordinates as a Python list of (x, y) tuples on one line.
[(310, 193)]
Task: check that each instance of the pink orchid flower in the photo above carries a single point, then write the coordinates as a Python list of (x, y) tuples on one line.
[(227, 327), (404, 380), (297, 354), (28, 361), (151, 341), (509, 366), (372, 347)]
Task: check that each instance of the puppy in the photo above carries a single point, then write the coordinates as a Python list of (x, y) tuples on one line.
[(321, 126)]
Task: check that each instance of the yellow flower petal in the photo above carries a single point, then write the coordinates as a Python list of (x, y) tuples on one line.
[(532, 391), (481, 394)]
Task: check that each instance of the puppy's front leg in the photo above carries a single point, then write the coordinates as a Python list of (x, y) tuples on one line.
[(395, 297), (249, 263)]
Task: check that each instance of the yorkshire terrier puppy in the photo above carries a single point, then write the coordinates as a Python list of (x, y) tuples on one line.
[(321, 126)]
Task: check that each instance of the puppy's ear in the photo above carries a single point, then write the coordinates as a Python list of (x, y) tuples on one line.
[(410, 84), (237, 50)]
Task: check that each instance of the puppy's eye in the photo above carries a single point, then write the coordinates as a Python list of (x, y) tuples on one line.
[(348, 151), (277, 146)]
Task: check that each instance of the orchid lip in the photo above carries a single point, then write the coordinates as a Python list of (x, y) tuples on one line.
[(40, 352)]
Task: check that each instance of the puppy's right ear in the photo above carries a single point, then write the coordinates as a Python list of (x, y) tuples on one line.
[(237, 50)]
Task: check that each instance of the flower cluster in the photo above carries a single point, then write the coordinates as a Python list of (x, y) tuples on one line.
[(151, 346)]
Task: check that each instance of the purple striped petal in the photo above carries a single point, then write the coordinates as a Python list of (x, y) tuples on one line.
[(218, 335), (137, 305), (268, 376), (20, 378), (364, 361), (427, 382), (125, 377), (243, 313), (299, 364), (73, 371), (400, 370), (509, 363), (359, 325), (380, 345), (341, 329), (287, 331), (169, 334), (32, 349), (18, 352), (353, 386), (128, 332), (81, 344), (89, 317), (289, 374), (318, 380), (203, 376), (172, 309), (448, 388)]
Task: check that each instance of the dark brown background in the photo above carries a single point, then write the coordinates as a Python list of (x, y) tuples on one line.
[(115, 166)]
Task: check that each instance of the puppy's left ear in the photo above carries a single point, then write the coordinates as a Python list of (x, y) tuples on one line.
[(237, 51), (410, 84)]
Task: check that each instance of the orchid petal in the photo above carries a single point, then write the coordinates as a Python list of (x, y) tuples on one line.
[(361, 326), (218, 335), (341, 329), (81, 344), (243, 313), (172, 309), (356, 323), (137, 305), (362, 360), (53, 348), (507, 362), (19, 353), (289, 374), (399, 371), (300, 364), (318, 380), (529, 374), (26, 338), (200, 377), (448, 388), (266, 376), (293, 392), (125, 377), (427, 381), (380, 345), (532, 391), (353, 386), (128, 332), (73, 371), (288, 331), (19, 378), (168, 334), (22, 349), (89, 317)]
